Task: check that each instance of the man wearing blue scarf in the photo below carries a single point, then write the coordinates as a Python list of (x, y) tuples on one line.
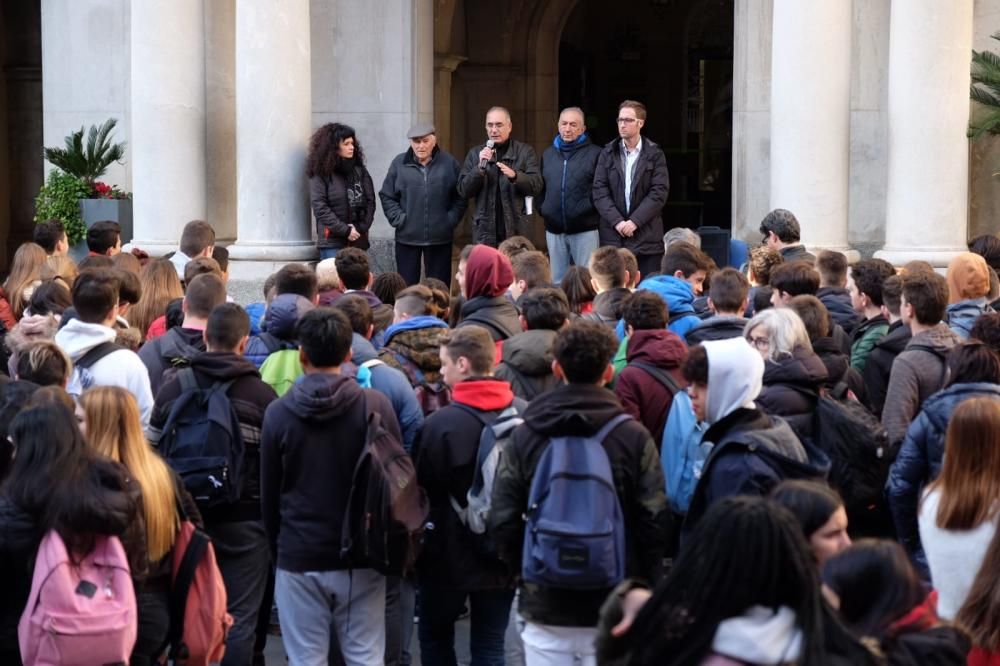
[(568, 208)]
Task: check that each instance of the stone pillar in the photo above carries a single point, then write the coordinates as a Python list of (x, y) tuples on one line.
[(168, 121), (382, 99), (273, 124), (810, 116), (927, 198), (751, 117), (444, 67)]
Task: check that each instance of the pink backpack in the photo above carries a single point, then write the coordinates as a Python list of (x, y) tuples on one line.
[(79, 613)]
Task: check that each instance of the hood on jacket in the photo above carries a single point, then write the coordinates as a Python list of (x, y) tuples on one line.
[(968, 278), (962, 315), (572, 409), (487, 273), (369, 296), (718, 327), (659, 347), (678, 294), (421, 346), (530, 353), (484, 393), (609, 304), (224, 366), (77, 337), (413, 324), (321, 396), (896, 339), (761, 636), (940, 406), (735, 373), (938, 340), (833, 357), (362, 349), (838, 302), (284, 313), (30, 329), (803, 368)]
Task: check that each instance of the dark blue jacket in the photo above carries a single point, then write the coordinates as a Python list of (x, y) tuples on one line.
[(423, 204), (394, 385), (279, 323), (919, 460), (568, 171), (838, 303)]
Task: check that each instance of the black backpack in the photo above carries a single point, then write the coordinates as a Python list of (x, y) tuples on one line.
[(201, 441), (858, 447), (386, 510), (83, 364)]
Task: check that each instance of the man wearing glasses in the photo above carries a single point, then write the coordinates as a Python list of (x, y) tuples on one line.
[(631, 185)]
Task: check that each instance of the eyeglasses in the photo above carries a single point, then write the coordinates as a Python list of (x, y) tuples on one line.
[(759, 343), (625, 121)]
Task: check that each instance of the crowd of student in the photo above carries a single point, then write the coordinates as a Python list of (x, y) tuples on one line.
[(659, 469)]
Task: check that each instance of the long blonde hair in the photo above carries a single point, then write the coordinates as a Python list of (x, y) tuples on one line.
[(160, 285), (25, 270), (114, 430)]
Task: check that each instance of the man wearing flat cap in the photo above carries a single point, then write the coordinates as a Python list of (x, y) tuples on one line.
[(421, 201)]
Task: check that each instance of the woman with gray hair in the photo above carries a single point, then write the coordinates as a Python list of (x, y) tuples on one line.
[(793, 373)]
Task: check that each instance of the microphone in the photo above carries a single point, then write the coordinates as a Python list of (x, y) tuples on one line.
[(484, 161)]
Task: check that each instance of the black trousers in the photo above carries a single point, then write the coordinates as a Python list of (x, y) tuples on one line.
[(436, 258), (649, 263)]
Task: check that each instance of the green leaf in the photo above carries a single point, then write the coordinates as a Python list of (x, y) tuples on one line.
[(91, 162), (59, 199)]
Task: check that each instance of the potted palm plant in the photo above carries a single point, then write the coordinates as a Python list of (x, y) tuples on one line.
[(985, 91), (72, 192)]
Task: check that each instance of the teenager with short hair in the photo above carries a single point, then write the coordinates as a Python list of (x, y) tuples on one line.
[(832, 267), (727, 299), (51, 236), (531, 270), (682, 274), (527, 356), (609, 275), (104, 239), (197, 240), (865, 286), (880, 358)]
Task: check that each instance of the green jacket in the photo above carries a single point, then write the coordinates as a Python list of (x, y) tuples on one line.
[(866, 336)]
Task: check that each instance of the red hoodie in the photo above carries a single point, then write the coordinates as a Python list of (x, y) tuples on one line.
[(486, 394)]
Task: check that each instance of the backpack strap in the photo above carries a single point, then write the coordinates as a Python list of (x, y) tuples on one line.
[(96, 354), (193, 555), (371, 363), (659, 375), (606, 429)]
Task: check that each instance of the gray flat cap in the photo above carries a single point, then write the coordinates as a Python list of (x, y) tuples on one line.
[(419, 130)]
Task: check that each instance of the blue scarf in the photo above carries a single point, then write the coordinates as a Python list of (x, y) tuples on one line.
[(569, 148)]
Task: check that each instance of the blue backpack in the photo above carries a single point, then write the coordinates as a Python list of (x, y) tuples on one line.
[(682, 453), (574, 534)]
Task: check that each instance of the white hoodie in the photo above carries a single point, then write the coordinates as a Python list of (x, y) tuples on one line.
[(119, 368), (735, 376), (760, 636)]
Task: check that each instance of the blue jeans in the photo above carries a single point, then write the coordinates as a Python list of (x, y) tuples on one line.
[(328, 252), (566, 249), (400, 598), (440, 608)]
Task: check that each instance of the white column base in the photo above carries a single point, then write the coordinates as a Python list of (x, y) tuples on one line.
[(273, 251), (936, 257)]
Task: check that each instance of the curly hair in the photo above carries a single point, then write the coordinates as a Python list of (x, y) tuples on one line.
[(323, 145)]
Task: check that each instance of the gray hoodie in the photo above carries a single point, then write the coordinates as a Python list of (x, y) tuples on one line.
[(919, 371)]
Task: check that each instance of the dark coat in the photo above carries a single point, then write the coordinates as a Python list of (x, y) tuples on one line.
[(797, 252), (395, 385), (423, 204), (568, 207), (527, 363), (920, 457), (496, 314), (250, 398), (879, 365), (752, 452), (608, 306), (716, 328), (446, 458), (576, 409), (791, 387), (838, 303), (306, 475), (644, 398), (176, 343), (838, 368), (333, 214), (650, 189), (483, 186)]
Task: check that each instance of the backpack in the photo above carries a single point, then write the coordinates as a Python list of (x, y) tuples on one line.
[(574, 533), (857, 445), (281, 370), (79, 611), (83, 364), (659, 375), (493, 438), (198, 618), (682, 452), (386, 509), (202, 442), (431, 396)]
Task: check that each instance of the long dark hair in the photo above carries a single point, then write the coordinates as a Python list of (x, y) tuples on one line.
[(745, 552), (812, 503), (323, 157), (971, 362), (576, 285), (982, 607), (876, 584)]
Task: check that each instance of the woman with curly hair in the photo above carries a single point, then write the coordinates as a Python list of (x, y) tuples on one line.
[(340, 189)]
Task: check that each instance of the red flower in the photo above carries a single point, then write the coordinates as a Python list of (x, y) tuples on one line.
[(102, 190)]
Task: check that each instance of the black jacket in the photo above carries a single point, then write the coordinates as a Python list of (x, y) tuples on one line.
[(838, 303), (250, 398), (568, 207), (496, 314), (484, 187), (333, 214), (423, 204), (177, 343), (650, 189), (577, 409), (791, 387), (446, 458), (527, 363), (797, 252), (608, 306), (716, 328), (879, 365), (838, 368), (311, 441)]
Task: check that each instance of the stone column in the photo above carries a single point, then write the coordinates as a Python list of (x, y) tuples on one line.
[(444, 67), (927, 198), (810, 116), (168, 121), (273, 124)]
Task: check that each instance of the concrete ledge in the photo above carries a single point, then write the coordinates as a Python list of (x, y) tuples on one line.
[(936, 257)]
